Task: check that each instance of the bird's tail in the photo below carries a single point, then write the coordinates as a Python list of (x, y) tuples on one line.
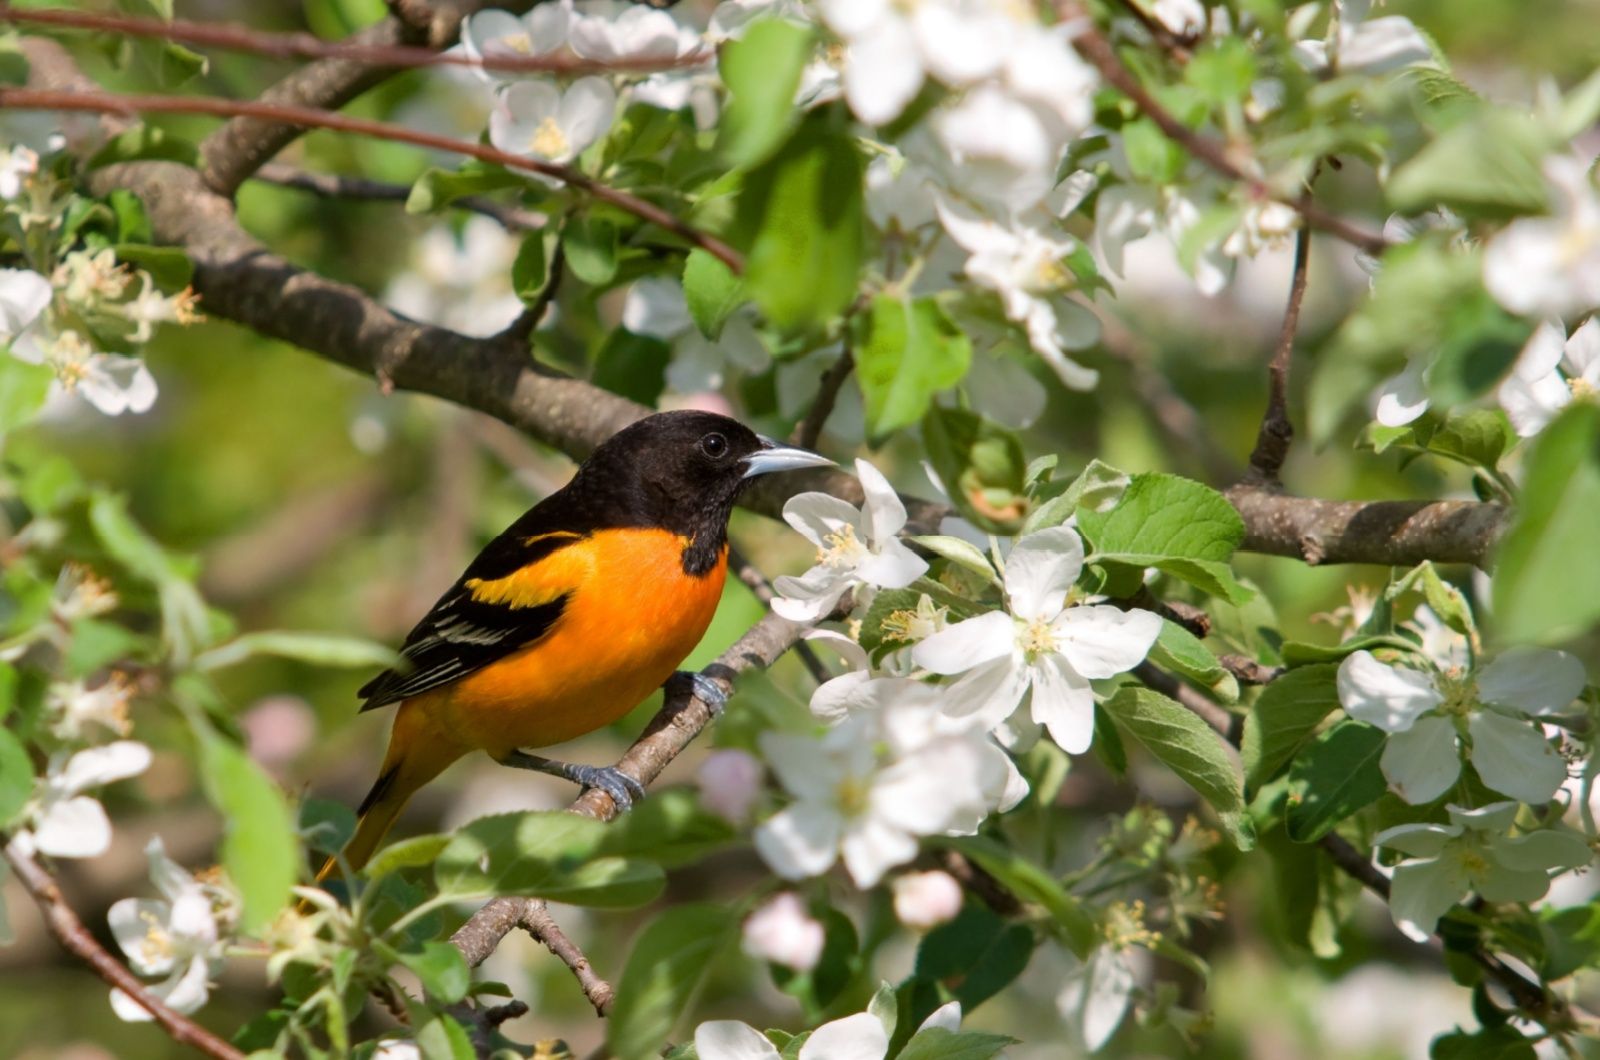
[(418, 752)]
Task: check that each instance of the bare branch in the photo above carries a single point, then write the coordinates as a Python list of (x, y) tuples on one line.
[(332, 186), (809, 430), (538, 922), (77, 940), (388, 57), (1272, 443), (314, 118), (1180, 48), (1393, 533), (1097, 51), (749, 574)]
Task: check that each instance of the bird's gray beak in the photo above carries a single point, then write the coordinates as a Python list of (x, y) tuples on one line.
[(774, 457)]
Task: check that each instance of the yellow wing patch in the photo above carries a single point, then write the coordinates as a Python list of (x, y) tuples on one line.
[(542, 581)]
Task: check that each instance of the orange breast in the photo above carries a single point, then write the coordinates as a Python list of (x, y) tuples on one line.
[(632, 617)]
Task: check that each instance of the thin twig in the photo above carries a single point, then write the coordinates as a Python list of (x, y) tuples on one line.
[(527, 322), (333, 186), (762, 590), (1272, 442), (1175, 45), (307, 46), (537, 921), (809, 429), (1092, 45), (310, 117), (77, 940)]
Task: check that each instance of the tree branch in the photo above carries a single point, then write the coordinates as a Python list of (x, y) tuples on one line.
[(314, 118), (77, 940), (1272, 442), (1393, 533), (1098, 52), (388, 57), (332, 186), (808, 430), (537, 921)]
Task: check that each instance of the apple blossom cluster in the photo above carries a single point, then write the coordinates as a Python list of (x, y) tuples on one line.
[(909, 753), (72, 300)]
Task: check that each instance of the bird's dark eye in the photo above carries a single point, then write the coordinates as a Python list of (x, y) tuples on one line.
[(714, 445)]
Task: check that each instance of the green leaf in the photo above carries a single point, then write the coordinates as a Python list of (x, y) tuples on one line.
[(145, 143), (317, 649), (1495, 1043), (1545, 587), (1301, 653), (669, 962), (543, 854), (438, 188), (16, 777), (1478, 343), (1476, 437), (441, 969), (712, 291), (530, 271), (1174, 525), (1031, 883), (407, 854), (1283, 719), (442, 1038), (1181, 652), (961, 552), (906, 352), (670, 828), (975, 955), (590, 242), (762, 71), (1222, 71), (259, 850), (1336, 775), (1190, 748), (801, 211), (1445, 600), (634, 366), (1152, 156), (23, 388), (936, 1043), (879, 642), (169, 267), (1098, 487), (1488, 165), (1571, 939)]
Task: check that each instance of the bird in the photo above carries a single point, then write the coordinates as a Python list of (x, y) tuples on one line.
[(572, 616)]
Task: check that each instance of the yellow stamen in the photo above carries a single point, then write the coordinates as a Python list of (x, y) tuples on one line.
[(549, 141)]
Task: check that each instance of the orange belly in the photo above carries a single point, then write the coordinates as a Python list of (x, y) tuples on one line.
[(631, 619)]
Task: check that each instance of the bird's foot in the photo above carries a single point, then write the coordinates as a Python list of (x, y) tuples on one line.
[(623, 789), (700, 686)]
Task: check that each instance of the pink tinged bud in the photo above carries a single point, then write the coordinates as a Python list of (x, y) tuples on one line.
[(782, 932), (924, 900), (729, 783)]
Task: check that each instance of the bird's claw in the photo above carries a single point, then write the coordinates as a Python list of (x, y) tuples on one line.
[(700, 686), (622, 788)]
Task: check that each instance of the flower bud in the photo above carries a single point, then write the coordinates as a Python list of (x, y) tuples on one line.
[(729, 783), (783, 932), (924, 900)]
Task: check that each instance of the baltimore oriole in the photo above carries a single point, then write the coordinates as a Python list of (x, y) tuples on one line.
[(573, 615)]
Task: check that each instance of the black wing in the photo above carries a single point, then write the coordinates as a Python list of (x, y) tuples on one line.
[(459, 634)]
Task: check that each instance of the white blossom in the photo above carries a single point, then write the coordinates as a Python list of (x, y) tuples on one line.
[(538, 119), (1428, 714), (1473, 853), (611, 31), (870, 786), (1549, 373), (500, 34), (1042, 644), (460, 281), (62, 821), (1024, 266), (1367, 46), (782, 931), (1550, 266), (176, 937), (854, 547), (655, 306), (17, 165), (858, 1037), (76, 707)]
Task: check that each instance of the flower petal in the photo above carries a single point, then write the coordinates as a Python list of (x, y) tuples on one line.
[(858, 1037), (1390, 697), (988, 694), (1063, 703), (1102, 641), (1515, 759), (816, 516), (1418, 840), (1422, 762), (1423, 891), (1404, 397), (810, 596), (73, 828), (1532, 680), (884, 515), (969, 643), (893, 566), (732, 1040), (1041, 569), (131, 921), (1545, 850), (800, 842), (801, 764), (871, 848), (883, 72)]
